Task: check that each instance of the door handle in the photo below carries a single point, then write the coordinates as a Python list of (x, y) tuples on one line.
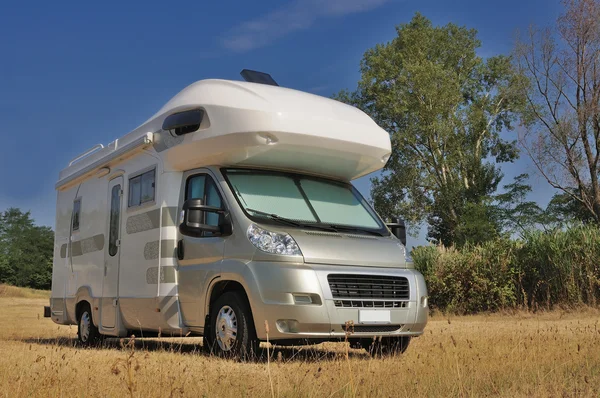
[(180, 249), (105, 267)]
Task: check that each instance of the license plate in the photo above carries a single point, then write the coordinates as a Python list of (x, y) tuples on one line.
[(374, 316)]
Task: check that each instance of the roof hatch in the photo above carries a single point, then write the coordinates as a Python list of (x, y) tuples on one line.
[(253, 76)]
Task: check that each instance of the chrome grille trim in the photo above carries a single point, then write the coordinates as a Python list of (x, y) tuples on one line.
[(365, 287), (370, 304)]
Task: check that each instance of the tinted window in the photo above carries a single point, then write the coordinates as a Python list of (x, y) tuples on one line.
[(135, 191), (142, 188), (195, 188), (115, 212), (147, 187), (76, 214)]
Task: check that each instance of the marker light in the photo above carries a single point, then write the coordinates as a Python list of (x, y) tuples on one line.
[(273, 242)]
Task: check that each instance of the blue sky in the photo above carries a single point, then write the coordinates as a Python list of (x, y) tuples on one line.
[(73, 74)]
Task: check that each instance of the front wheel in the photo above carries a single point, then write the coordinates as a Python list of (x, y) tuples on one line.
[(231, 327), (386, 346)]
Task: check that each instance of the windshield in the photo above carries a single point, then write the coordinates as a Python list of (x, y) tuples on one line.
[(303, 199)]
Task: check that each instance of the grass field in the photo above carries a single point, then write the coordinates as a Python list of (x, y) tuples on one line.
[(553, 354)]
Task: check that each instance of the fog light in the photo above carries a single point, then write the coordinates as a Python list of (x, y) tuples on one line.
[(302, 299), (287, 325), (424, 301)]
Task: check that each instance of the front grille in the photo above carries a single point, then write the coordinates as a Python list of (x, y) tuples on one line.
[(350, 286), (371, 328), (369, 304)]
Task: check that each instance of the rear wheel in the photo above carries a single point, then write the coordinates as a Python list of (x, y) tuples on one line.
[(385, 346), (87, 332), (232, 331)]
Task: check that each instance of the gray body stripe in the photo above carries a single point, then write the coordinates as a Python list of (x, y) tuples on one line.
[(143, 222), (84, 246), (167, 249), (167, 275), (169, 216), (151, 250), (151, 220)]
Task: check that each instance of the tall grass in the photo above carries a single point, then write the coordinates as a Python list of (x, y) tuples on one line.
[(541, 270), (22, 292)]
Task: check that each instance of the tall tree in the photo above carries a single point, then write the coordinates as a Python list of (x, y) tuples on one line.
[(445, 108), (563, 209), (562, 116), (25, 251), (514, 212)]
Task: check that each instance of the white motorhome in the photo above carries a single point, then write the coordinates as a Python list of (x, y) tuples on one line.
[(229, 209)]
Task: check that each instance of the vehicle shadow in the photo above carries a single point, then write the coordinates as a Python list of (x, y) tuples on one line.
[(282, 354)]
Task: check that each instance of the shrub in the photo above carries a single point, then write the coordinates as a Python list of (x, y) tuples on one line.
[(540, 270), (474, 279)]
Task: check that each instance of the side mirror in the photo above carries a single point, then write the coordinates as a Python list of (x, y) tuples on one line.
[(398, 228), (193, 219)]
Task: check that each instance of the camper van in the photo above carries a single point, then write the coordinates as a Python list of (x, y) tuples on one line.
[(230, 214)]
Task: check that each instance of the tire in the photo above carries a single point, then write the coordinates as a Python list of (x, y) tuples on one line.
[(386, 346), (87, 333), (231, 332)]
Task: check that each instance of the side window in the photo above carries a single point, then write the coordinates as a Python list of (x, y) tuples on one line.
[(135, 191), (203, 187), (147, 194), (142, 188), (195, 187), (212, 199), (76, 214), (115, 215)]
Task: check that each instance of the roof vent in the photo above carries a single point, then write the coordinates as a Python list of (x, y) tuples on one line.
[(253, 76)]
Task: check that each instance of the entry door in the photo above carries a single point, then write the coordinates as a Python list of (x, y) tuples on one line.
[(110, 284)]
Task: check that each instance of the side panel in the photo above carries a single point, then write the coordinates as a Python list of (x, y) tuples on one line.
[(61, 267), (83, 254), (168, 276)]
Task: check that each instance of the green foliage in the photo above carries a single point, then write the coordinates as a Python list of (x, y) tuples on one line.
[(476, 278), (540, 270), (445, 108), (564, 208), (25, 251), (515, 214), (560, 267)]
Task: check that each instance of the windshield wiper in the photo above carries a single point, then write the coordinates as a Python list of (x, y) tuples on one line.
[(275, 217), (292, 222)]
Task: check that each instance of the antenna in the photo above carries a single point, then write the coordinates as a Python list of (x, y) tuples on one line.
[(253, 76)]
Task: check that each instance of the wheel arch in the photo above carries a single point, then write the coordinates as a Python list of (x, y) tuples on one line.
[(83, 297), (221, 286)]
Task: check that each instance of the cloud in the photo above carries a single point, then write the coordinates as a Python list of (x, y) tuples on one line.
[(297, 15)]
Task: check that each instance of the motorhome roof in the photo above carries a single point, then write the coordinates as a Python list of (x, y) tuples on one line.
[(242, 107)]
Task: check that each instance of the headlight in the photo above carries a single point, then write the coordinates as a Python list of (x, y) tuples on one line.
[(273, 242)]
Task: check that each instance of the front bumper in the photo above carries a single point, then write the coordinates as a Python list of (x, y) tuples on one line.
[(273, 304)]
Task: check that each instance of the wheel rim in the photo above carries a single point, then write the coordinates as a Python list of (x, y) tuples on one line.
[(226, 328), (84, 326)]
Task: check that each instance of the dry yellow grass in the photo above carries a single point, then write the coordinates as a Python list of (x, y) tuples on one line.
[(25, 292), (553, 354)]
